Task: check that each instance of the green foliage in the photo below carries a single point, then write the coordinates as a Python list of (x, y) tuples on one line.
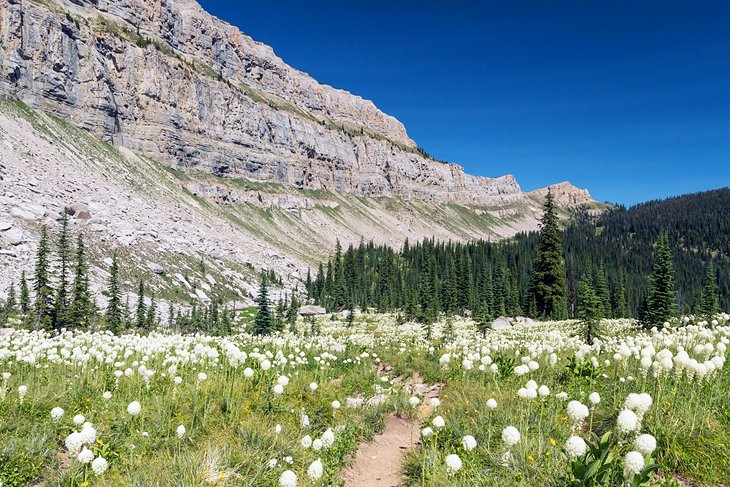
[(549, 281), (710, 302), (661, 305), (263, 323), (43, 305), (18, 469), (590, 309), (114, 307)]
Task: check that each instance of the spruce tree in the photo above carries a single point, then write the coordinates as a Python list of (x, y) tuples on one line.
[(114, 307), (60, 311), (141, 311), (602, 291), (262, 324), (24, 294), (590, 309), (661, 303), (79, 314), (293, 312), (710, 301), (150, 321), (43, 305), (11, 302), (550, 286)]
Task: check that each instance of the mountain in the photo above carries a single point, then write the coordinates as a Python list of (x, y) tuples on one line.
[(197, 141), (615, 251)]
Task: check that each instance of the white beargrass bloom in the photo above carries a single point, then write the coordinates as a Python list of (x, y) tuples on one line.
[(543, 391), (283, 380), (288, 479), (561, 396), (438, 422), (317, 444), (468, 442), (306, 442), (427, 432), (99, 465), (633, 463), (491, 403), (79, 419), (74, 442), (577, 411), (202, 376), (315, 470), (278, 389), (336, 404), (627, 421), (248, 372), (277, 429), (313, 386), (134, 408), (414, 401), (328, 438), (85, 456), (88, 434), (57, 413), (510, 436), (181, 431), (453, 464), (22, 391), (106, 396), (594, 398), (575, 447), (645, 444), (435, 402)]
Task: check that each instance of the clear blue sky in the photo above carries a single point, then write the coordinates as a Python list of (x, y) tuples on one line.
[(628, 99)]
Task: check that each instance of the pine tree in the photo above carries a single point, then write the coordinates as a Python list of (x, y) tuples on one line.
[(661, 303), (60, 311), (43, 306), (550, 286), (293, 312), (262, 324), (11, 302), (590, 309), (24, 294), (602, 291), (114, 307), (279, 315), (150, 321), (710, 301), (141, 311), (618, 300), (79, 314)]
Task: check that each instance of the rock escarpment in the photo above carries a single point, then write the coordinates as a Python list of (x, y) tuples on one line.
[(167, 80)]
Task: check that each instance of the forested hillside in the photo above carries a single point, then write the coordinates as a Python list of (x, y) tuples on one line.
[(615, 251)]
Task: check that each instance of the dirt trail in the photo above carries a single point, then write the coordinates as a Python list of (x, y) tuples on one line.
[(378, 463)]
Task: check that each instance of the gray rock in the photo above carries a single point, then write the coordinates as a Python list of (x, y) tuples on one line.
[(5, 225), (13, 236), (156, 268), (501, 323), (311, 310), (377, 400)]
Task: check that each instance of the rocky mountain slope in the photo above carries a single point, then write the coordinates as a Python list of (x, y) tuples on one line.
[(223, 157)]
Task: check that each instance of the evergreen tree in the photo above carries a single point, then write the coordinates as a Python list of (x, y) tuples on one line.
[(590, 309), (79, 312), (709, 302), (43, 306), (141, 311), (550, 287), (11, 302), (24, 294), (661, 304), (602, 291), (618, 300), (114, 307), (293, 312), (262, 324), (279, 315), (60, 311), (150, 321)]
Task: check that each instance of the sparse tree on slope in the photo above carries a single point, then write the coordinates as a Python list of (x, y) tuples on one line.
[(24, 294), (710, 302), (262, 324), (590, 309), (79, 312), (43, 306), (141, 312), (60, 311), (114, 308)]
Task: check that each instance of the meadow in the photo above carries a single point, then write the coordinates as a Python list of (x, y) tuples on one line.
[(531, 405)]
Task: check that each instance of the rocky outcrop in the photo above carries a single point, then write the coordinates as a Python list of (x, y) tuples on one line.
[(169, 81), (565, 194)]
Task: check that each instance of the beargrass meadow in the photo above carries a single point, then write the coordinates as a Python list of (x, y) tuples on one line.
[(614, 375)]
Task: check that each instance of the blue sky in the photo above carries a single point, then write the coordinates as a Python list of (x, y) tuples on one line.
[(628, 99)]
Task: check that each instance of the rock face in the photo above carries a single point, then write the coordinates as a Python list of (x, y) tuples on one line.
[(167, 80)]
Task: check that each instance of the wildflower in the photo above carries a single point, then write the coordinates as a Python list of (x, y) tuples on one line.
[(273, 463), (469, 443), (414, 401), (107, 395), (453, 464), (277, 429), (57, 413), (645, 444), (561, 396), (283, 380), (278, 389), (22, 391), (248, 372), (313, 386), (336, 404), (317, 444), (491, 404), (202, 376), (306, 442), (510, 436), (577, 411), (627, 421), (435, 402), (315, 470), (85, 456), (594, 398), (543, 391), (288, 479), (427, 432), (74, 442), (181, 431), (79, 420), (99, 465), (134, 408), (328, 438), (438, 422), (575, 447), (633, 463)]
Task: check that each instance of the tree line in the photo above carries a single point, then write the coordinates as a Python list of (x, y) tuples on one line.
[(649, 262)]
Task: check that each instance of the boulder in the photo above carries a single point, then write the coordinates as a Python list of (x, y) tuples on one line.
[(156, 268), (5, 225), (501, 323), (523, 320), (311, 310), (14, 236)]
